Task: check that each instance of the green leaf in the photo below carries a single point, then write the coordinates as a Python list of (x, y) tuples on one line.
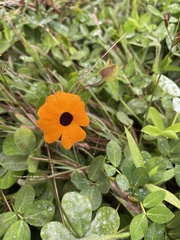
[(168, 175), (79, 179), (9, 147), (175, 128), (39, 213), (137, 105), (78, 212), (176, 104), (117, 236), (113, 151), (96, 168), (19, 231), (130, 25), (155, 231), (7, 31), (174, 233), (8, 179), (23, 119), (78, 55), (163, 146), (2, 171), (94, 196), (103, 183), (154, 198), (56, 231), (156, 118), (138, 226), (6, 220), (124, 118), (25, 140), (168, 86), (135, 153), (134, 10), (154, 11), (151, 130), (174, 146), (32, 163), (175, 158), (160, 214), (113, 88), (170, 197), (156, 167), (128, 167), (122, 182), (175, 222), (106, 222), (110, 170), (177, 174), (15, 162), (140, 176), (169, 134), (4, 46), (24, 198)]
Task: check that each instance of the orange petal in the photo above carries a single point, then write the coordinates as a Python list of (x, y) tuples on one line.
[(79, 116), (47, 125), (68, 101), (47, 113), (71, 134), (52, 137), (52, 129), (51, 108)]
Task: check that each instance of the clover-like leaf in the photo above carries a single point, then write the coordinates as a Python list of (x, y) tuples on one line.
[(78, 212), (160, 214), (19, 231), (39, 212), (24, 198), (138, 227), (56, 231), (6, 220), (106, 222)]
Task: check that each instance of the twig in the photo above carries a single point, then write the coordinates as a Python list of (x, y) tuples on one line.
[(5, 200)]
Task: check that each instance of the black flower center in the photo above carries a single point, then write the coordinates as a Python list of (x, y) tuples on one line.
[(66, 119)]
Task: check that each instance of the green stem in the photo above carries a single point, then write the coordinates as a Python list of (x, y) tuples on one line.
[(175, 118), (149, 105), (130, 110)]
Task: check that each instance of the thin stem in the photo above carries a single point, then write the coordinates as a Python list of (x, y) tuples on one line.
[(175, 118), (5, 200), (55, 185), (129, 109)]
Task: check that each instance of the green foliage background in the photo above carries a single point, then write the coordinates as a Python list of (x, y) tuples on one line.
[(122, 181)]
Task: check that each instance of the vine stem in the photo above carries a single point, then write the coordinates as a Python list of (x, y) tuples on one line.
[(55, 185), (5, 200)]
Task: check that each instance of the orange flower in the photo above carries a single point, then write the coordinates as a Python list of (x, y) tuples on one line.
[(61, 116)]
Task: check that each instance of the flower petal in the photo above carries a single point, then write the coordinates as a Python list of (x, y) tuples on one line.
[(52, 137), (48, 125), (50, 113), (51, 108), (79, 116), (71, 134), (68, 101), (52, 129)]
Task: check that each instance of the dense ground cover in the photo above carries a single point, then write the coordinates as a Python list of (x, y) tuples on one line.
[(121, 58)]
